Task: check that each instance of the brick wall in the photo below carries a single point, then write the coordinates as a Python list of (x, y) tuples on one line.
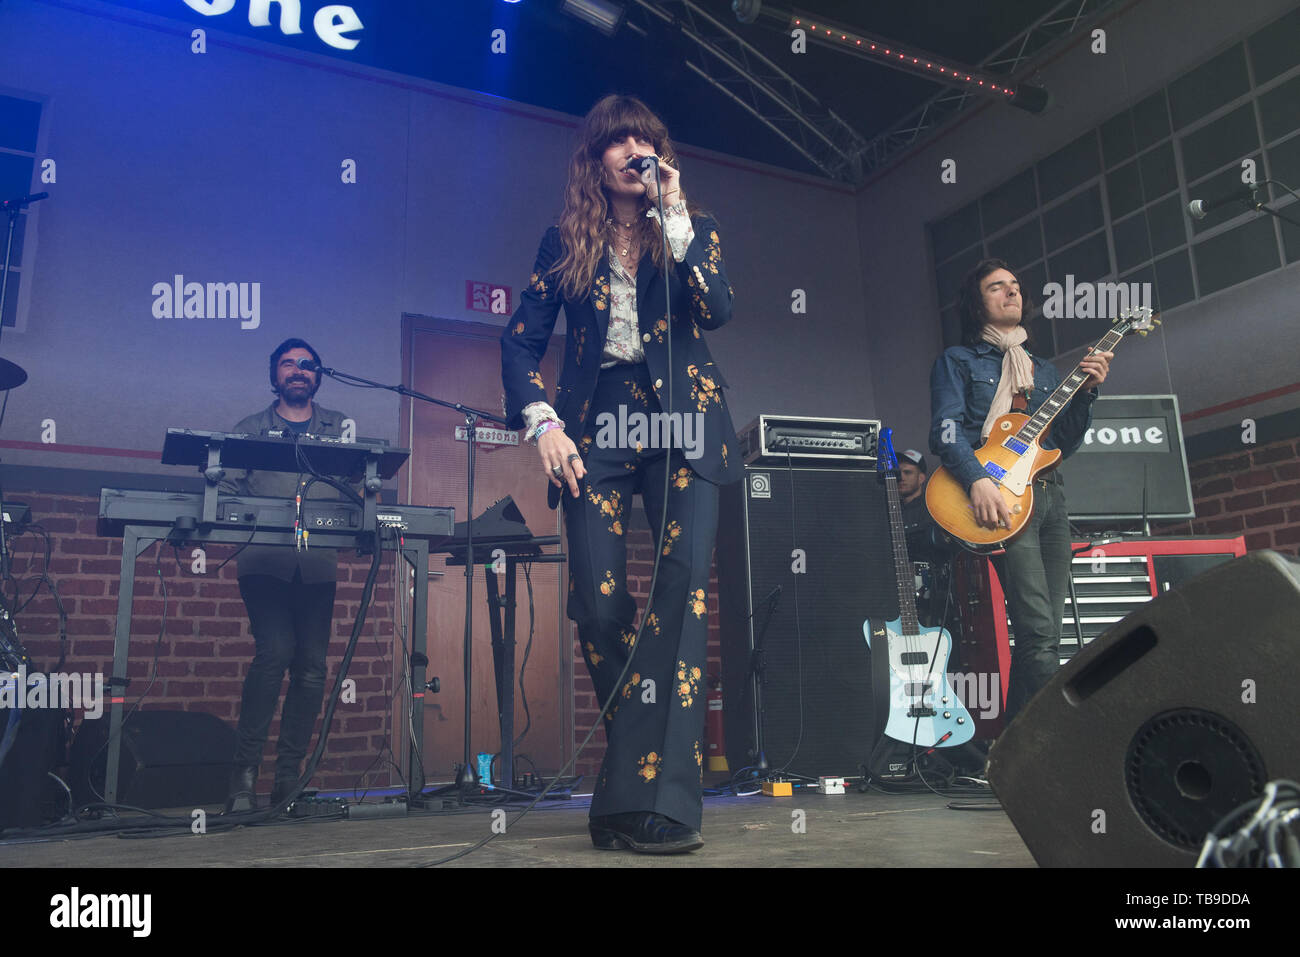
[(640, 564), (1254, 492), (206, 645)]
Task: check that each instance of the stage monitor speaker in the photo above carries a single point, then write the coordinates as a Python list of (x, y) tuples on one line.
[(1162, 725), (822, 537), (168, 759), (28, 795)]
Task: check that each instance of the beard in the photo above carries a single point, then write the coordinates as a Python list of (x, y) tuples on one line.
[(298, 390)]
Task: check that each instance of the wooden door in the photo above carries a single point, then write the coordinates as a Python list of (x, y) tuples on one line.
[(461, 362)]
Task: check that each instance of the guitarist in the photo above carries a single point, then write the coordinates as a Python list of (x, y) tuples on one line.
[(988, 375)]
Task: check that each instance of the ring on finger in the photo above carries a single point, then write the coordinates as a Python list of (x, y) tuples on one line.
[(572, 456), (557, 471)]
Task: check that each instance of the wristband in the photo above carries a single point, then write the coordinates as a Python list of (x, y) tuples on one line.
[(542, 429)]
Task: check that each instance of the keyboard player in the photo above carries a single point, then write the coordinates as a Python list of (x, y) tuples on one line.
[(288, 593)]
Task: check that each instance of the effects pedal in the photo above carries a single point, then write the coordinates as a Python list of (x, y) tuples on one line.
[(309, 805)]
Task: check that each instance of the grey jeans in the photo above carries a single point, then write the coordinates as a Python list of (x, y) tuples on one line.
[(1034, 573)]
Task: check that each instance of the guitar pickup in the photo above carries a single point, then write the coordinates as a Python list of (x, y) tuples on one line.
[(996, 471), (1019, 446), (922, 712), (914, 658)]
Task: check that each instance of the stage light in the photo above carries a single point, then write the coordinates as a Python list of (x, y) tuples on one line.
[(601, 14), (888, 53)]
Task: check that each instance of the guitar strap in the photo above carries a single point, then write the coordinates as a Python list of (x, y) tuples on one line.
[(1019, 402)]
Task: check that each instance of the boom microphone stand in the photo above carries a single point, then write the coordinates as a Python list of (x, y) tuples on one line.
[(464, 776)]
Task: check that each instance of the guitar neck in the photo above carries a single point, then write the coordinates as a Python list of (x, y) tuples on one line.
[(908, 621), (1059, 399)]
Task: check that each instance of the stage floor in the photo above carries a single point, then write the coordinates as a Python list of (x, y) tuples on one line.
[(849, 830)]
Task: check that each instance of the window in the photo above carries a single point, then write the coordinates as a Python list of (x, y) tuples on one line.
[(20, 122), (1111, 205)]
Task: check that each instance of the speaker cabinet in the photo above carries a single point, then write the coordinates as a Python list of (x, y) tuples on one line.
[(796, 668), (1162, 725), (168, 759), (36, 744)]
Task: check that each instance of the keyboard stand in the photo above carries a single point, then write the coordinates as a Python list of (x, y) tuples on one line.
[(138, 537), (527, 550)]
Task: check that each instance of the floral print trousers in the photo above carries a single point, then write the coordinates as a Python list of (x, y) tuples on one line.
[(654, 728)]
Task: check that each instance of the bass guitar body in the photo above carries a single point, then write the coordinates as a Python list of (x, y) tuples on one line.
[(923, 708), (1012, 463)]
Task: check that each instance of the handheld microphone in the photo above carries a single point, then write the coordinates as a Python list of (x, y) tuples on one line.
[(1198, 208), (309, 365), (640, 163)]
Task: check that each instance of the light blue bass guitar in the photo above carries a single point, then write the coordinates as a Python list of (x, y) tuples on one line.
[(923, 709)]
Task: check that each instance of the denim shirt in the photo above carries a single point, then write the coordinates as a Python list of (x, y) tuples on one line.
[(962, 384)]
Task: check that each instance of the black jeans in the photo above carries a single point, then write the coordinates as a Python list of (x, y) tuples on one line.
[(1034, 574), (291, 624)]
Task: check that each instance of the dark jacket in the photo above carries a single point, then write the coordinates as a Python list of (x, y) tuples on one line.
[(962, 384), (926, 541), (697, 385), (316, 564)]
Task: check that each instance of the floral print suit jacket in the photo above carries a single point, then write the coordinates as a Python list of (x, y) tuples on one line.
[(696, 383)]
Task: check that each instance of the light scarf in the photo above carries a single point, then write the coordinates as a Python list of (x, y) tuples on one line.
[(1017, 371)]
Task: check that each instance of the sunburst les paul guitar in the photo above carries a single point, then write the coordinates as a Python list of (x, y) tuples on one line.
[(923, 708), (1013, 456)]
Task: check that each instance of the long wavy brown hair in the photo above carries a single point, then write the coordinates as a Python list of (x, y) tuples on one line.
[(584, 228)]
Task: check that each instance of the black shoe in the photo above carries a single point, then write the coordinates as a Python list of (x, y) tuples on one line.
[(243, 790), (644, 832), (283, 789)]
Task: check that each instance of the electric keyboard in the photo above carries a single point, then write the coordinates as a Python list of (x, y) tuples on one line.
[(280, 452), (340, 522)]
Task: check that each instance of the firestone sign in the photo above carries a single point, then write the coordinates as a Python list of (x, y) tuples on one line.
[(331, 22)]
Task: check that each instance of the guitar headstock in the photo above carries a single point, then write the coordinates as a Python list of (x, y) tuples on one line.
[(1140, 321), (886, 460)]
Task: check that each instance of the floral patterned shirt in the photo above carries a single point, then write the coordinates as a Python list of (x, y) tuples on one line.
[(623, 339)]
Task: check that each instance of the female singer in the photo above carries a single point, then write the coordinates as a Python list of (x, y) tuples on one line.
[(605, 264)]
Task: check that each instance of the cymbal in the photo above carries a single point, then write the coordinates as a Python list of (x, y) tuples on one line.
[(11, 376)]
